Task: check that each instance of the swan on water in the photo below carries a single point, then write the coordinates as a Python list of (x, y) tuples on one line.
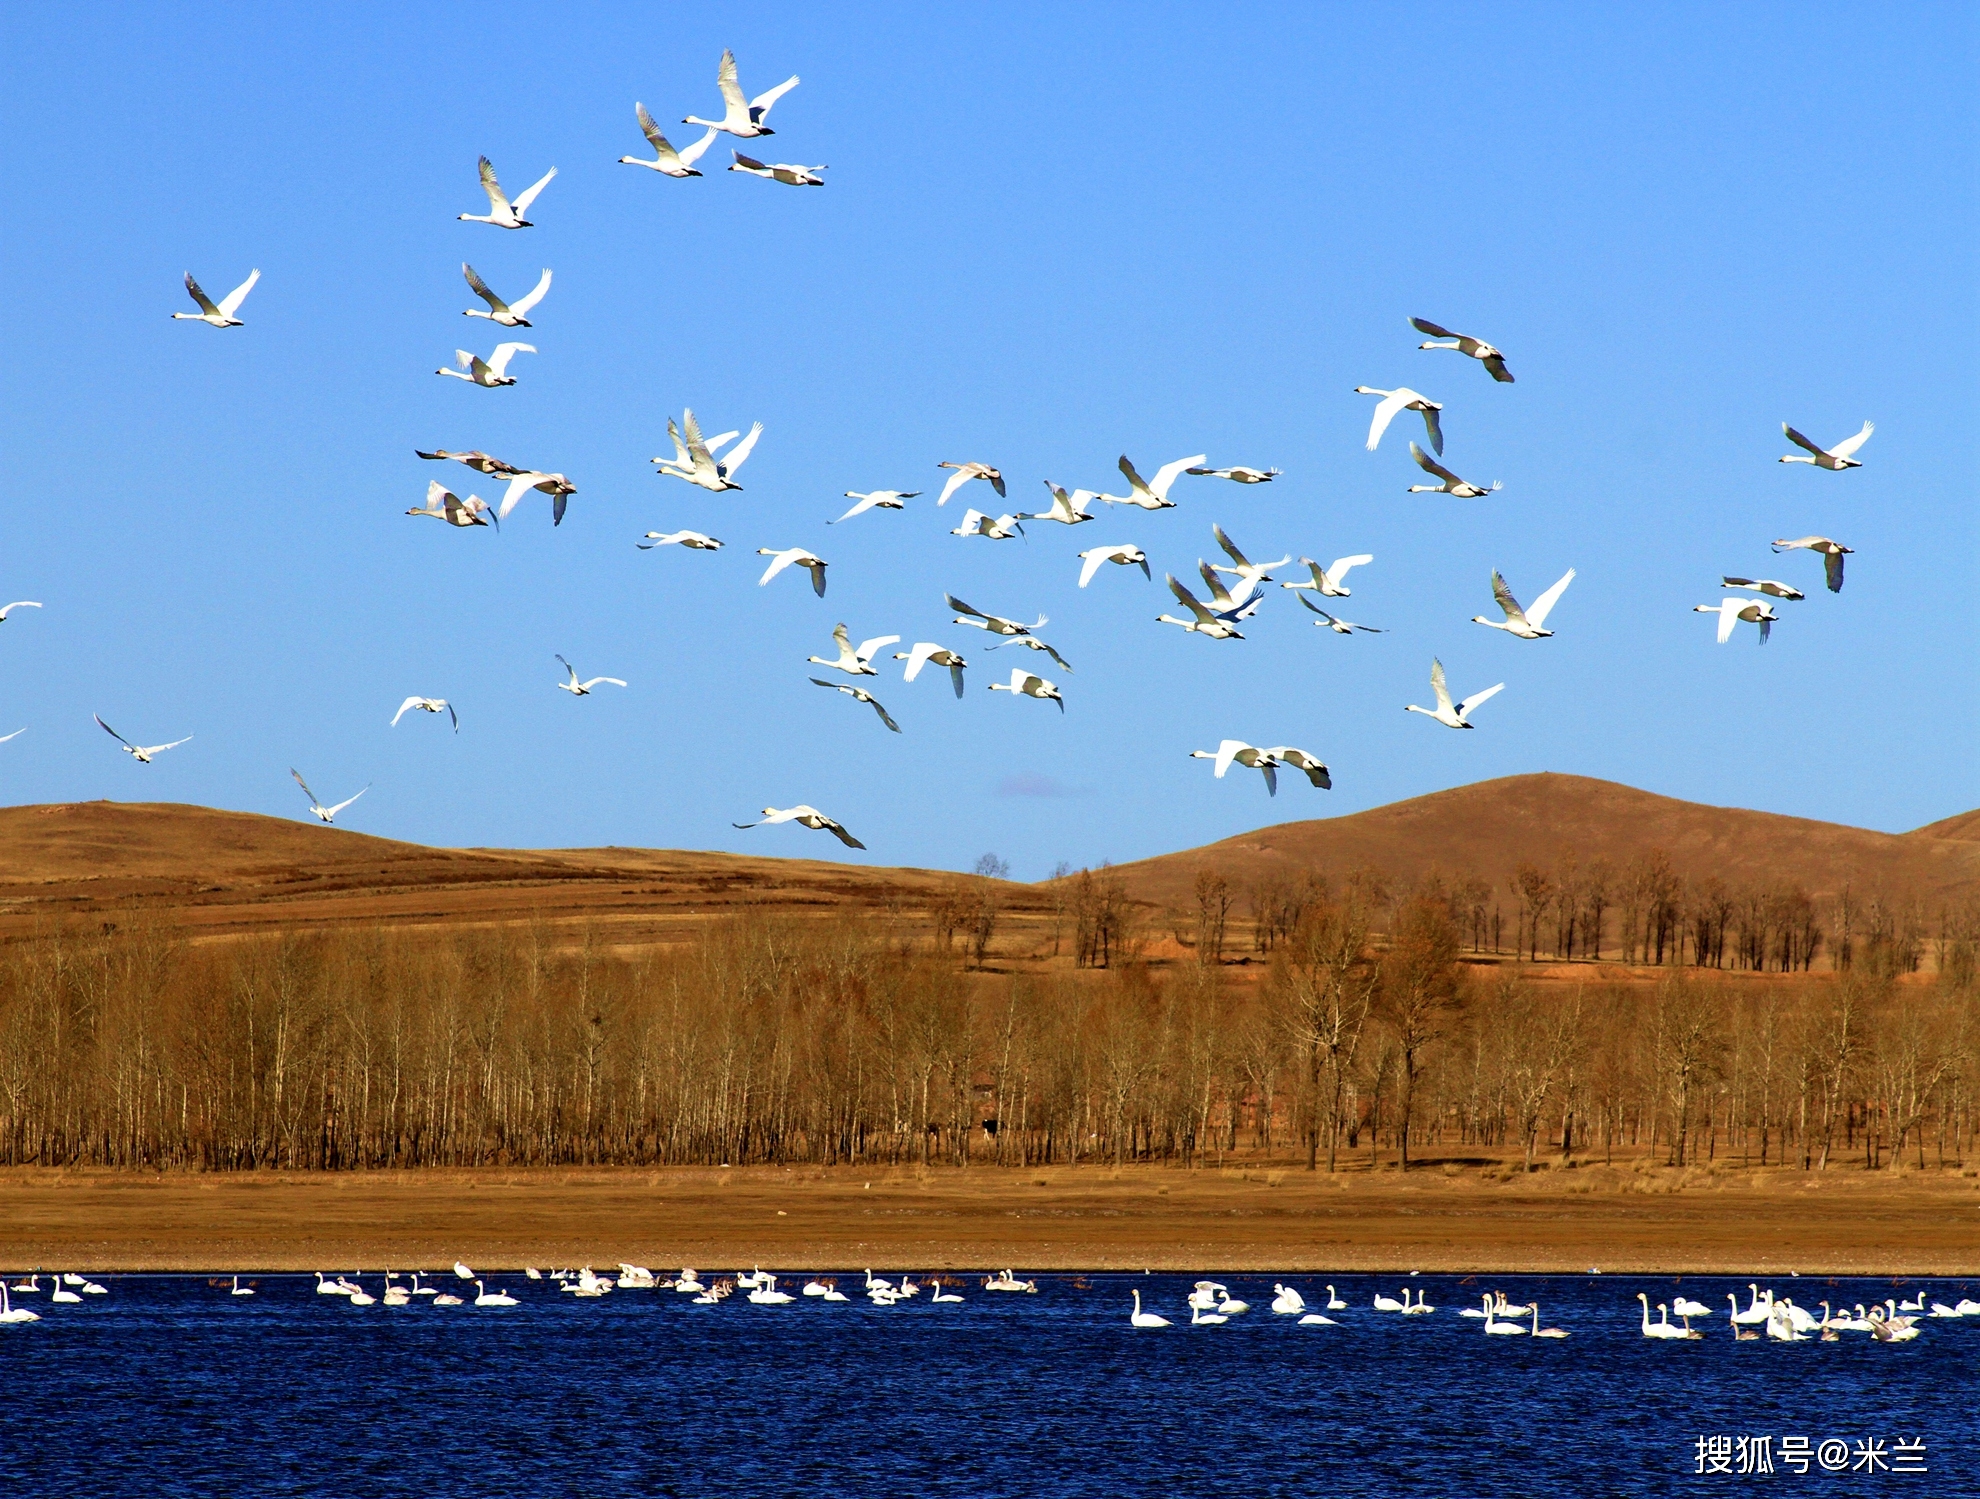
[(1334, 1302), (1287, 1302), (1146, 1319), (1387, 1303), (1542, 1332), (1200, 1318), (485, 1297), (1498, 1328), (1314, 1319), (11, 1313)]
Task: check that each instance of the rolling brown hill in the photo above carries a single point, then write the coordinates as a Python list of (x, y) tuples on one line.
[(1488, 829), (227, 873)]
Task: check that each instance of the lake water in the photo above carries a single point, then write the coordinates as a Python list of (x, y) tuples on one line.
[(170, 1387)]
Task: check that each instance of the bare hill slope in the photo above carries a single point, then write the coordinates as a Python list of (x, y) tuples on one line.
[(1488, 829)]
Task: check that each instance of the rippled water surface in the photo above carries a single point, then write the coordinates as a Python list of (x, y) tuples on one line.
[(168, 1386)]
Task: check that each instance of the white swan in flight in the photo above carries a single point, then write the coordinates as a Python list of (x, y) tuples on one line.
[(1029, 684), (320, 812), (1067, 509), (996, 624), (1151, 494), (694, 456), (1331, 582), (795, 557), (1451, 717), (1751, 585), (1334, 622), (15, 735), (1731, 611), (501, 212), (1310, 766), (443, 504), (142, 752), (926, 653), (1145, 1319), (1837, 458), (490, 372), (861, 695), (1203, 622), (220, 314), (665, 158), (556, 486), (878, 499), (582, 689), (785, 172), (1477, 348), (806, 817), (1461, 489), (1231, 752), (1032, 643), (6, 609), (964, 472), (1225, 603), (509, 314), (858, 663), (1238, 474), (427, 705), (1832, 553), (1402, 399), (996, 528), (739, 118), (693, 540), (1252, 573), (1524, 623), (1126, 554), (480, 462)]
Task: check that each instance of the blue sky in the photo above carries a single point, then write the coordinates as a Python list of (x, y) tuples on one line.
[(1050, 235)]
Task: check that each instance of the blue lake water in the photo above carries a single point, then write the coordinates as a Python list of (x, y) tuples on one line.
[(170, 1387)]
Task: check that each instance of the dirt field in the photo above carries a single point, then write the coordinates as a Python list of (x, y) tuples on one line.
[(1442, 1218)]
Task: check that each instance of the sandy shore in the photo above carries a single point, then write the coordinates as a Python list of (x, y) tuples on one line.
[(1282, 1218)]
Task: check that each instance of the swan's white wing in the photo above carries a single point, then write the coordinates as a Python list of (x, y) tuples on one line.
[(1094, 560), (615, 681), (1430, 465), (1801, 442), (1728, 617), (778, 562), (480, 289), (866, 502), (569, 668), (1341, 565), (1476, 698), (1842, 449), (736, 110), (760, 105), (692, 154), (6, 609), (1424, 325), (496, 202), (521, 308), (110, 731), (529, 197), (956, 481), (960, 607), (1227, 752), (651, 131), (405, 707), (1439, 686), (1166, 474), (205, 302), (1230, 549), (1385, 411), (1316, 609), (305, 786), (333, 811), (1188, 600), (15, 735), (238, 295), (499, 360), (918, 658), (1436, 428), (737, 455), (154, 749), (1136, 484), (1543, 606), (1507, 603), (868, 647)]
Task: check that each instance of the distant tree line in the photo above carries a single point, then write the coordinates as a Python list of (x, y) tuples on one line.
[(1371, 1037)]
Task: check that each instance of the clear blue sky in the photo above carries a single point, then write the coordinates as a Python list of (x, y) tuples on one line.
[(1051, 235)]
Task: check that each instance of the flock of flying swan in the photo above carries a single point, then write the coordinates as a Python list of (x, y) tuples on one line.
[(1231, 592)]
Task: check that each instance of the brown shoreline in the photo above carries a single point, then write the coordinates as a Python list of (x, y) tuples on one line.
[(1442, 1218)]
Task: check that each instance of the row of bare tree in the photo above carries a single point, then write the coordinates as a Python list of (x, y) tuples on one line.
[(772, 1041)]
